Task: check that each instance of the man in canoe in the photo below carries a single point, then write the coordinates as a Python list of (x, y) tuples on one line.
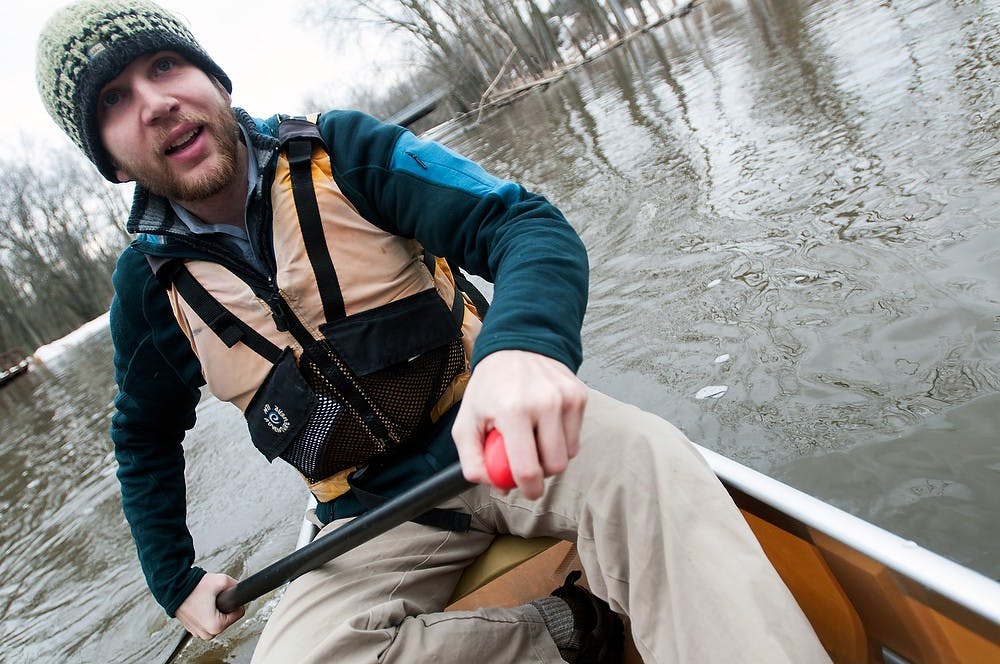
[(306, 270)]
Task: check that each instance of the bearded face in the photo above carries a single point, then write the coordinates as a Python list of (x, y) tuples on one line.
[(169, 127), (155, 173)]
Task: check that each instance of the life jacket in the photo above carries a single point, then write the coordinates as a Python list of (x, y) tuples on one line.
[(361, 342)]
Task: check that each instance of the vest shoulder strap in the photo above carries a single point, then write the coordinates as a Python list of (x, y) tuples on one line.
[(229, 328), (297, 136), (298, 127)]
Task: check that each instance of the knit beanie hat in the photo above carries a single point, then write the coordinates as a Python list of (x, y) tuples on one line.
[(88, 43)]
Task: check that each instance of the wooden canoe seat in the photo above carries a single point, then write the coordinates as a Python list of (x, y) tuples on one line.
[(504, 554), (533, 568)]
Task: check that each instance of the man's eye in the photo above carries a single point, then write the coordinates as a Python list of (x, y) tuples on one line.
[(111, 98), (163, 64)]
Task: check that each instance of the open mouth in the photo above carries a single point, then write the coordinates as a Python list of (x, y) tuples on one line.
[(184, 141)]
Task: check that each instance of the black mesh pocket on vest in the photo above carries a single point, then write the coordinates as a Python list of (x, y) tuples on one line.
[(337, 438), (396, 361)]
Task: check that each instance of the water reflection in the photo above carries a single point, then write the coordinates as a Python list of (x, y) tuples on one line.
[(72, 588), (934, 482), (808, 188)]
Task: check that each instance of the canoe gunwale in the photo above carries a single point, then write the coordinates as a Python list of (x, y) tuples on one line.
[(923, 573)]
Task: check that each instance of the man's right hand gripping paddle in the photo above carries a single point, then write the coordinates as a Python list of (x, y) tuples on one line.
[(536, 402)]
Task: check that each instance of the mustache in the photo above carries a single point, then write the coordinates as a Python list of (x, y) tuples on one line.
[(215, 125), (163, 130)]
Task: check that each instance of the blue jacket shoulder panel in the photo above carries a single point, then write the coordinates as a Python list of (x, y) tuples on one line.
[(436, 163)]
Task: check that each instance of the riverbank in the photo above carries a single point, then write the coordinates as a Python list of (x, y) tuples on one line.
[(50, 351)]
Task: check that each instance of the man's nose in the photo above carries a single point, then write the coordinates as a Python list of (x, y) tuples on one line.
[(156, 102)]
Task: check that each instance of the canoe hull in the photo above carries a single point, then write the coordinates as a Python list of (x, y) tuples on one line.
[(10, 373), (871, 596)]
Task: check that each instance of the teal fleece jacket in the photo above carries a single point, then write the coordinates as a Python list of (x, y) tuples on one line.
[(414, 188)]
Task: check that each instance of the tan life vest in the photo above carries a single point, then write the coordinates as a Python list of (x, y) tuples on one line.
[(360, 342)]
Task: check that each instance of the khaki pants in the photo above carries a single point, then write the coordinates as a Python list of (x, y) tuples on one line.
[(658, 537)]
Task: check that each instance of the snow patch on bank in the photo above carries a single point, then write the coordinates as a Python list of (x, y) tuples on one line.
[(51, 351)]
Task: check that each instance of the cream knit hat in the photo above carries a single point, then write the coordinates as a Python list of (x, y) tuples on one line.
[(88, 43)]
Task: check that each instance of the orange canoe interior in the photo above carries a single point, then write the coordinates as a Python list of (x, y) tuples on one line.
[(862, 611)]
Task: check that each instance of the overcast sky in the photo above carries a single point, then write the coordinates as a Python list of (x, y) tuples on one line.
[(297, 63)]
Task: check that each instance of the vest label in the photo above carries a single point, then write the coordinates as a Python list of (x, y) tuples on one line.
[(275, 419)]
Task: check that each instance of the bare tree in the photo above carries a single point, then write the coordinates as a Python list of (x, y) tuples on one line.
[(485, 47), (61, 228)]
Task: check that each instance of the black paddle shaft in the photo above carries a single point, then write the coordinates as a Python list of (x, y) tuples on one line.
[(409, 504)]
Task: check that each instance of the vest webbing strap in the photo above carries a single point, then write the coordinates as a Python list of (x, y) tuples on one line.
[(337, 374), (299, 152), (462, 284), (220, 320), (436, 517)]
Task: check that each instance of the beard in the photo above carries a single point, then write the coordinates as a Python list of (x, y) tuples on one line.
[(155, 175)]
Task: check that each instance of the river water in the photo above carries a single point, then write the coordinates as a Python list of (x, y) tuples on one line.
[(792, 204)]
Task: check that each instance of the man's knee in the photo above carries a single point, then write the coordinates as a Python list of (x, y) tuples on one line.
[(624, 434)]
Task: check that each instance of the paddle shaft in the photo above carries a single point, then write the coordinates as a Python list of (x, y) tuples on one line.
[(395, 511)]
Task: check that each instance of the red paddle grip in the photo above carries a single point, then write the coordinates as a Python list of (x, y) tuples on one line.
[(495, 458)]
